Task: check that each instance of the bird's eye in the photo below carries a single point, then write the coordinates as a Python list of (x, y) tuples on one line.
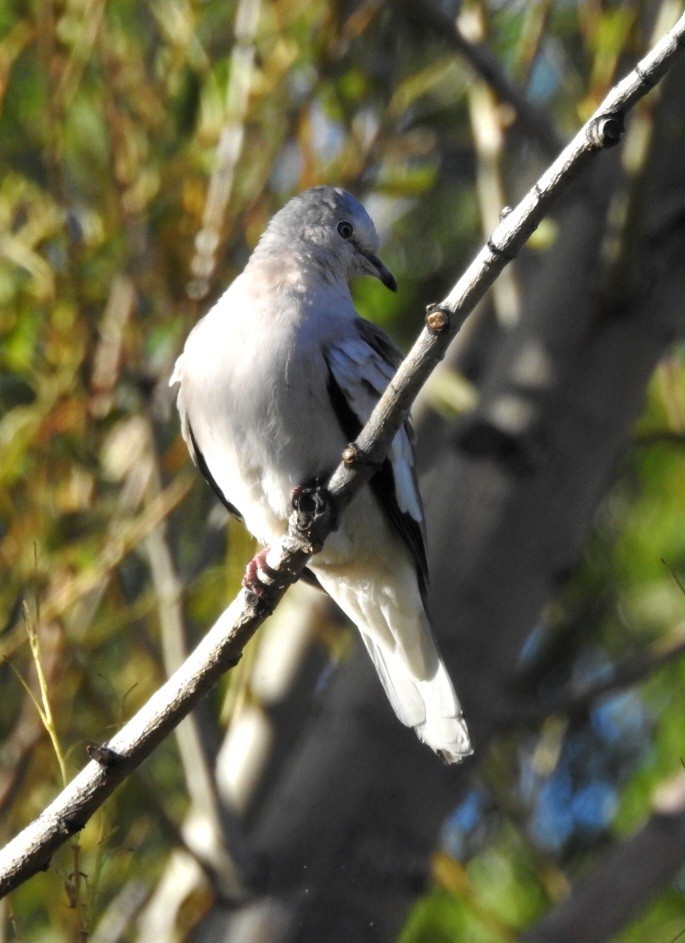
[(345, 229)]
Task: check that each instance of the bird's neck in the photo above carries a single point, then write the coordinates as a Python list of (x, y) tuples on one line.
[(297, 269)]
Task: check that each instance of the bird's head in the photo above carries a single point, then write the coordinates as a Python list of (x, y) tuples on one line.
[(332, 228)]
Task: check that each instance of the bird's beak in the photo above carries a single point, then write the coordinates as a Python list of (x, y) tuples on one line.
[(380, 271)]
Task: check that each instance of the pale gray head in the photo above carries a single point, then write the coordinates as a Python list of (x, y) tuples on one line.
[(329, 228)]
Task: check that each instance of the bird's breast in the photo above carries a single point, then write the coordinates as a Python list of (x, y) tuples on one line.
[(260, 412)]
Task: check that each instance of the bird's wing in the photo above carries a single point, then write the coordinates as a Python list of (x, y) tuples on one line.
[(190, 440), (360, 366)]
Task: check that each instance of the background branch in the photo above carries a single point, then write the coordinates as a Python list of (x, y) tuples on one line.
[(535, 122), (626, 674)]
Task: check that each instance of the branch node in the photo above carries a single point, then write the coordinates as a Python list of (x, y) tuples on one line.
[(262, 605), (649, 81), (504, 212), (606, 130), (355, 457), (104, 756), (70, 826), (501, 253), (437, 319)]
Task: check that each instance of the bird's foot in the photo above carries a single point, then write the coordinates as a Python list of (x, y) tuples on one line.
[(312, 504), (260, 579)]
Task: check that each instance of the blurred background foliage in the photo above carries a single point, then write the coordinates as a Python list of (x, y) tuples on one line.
[(143, 147)]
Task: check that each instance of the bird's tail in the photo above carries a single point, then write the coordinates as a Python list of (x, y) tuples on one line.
[(389, 614), (428, 704)]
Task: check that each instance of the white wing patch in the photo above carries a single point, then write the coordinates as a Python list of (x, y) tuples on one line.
[(362, 375)]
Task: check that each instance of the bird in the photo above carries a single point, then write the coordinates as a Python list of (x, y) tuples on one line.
[(273, 383)]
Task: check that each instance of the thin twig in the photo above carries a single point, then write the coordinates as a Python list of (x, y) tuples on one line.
[(20, 745), (660, 437), (485, 65), (533, 31), (488, 139), (221, 648), (42, 701), (627, 674), (229, 149)]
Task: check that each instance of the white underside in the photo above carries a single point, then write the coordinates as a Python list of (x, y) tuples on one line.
[(388, 611)]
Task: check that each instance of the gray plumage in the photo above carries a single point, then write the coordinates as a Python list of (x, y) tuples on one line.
[(274, 381)]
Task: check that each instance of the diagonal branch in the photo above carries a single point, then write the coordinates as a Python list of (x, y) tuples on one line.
[(626, 674), (229, 148), (221, 648)]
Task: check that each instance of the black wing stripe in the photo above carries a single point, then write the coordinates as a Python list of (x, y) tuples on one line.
[(382, 484), (201, 463)]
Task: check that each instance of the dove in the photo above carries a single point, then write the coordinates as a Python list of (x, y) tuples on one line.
[(273, 383)]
